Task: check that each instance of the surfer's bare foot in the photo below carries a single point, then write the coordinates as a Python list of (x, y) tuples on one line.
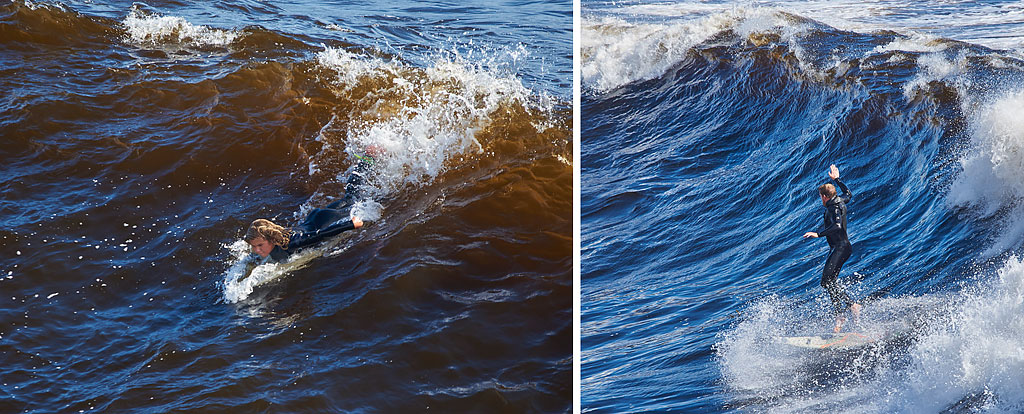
[(855, 310), (839, 324)]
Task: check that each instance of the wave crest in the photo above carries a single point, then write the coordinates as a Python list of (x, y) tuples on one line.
[(146, 28)]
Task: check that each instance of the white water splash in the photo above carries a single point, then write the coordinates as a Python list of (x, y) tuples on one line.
[(434, 119), (240, 282), (615, 52), (935, 67), (978, 352), (992, 180), (151, 29), (367, 210), (966, 352)]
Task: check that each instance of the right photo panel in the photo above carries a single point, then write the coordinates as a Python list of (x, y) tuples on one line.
[(802, 206)]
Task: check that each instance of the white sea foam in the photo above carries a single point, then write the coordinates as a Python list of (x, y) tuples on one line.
[(44, 5), (425, 117), (615, 52), (965, 345), (913, 42), (977, 352), (972, 22), (992, 179), (936, 67), (151, 29), (632, 43), (240, 281)]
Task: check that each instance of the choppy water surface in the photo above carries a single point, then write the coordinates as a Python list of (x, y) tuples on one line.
[(707, 127), (141, 139)]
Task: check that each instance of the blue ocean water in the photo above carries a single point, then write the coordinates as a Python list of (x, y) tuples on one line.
[(140, 139), (706, 128)]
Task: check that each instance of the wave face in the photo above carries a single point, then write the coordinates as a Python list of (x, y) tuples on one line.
[(140, 141), (707, 128)]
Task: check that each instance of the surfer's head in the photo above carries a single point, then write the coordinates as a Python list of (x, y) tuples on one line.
[(827, 192), (263, 235)]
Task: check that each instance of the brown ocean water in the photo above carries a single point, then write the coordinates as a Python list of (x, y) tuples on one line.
[(138, 141)]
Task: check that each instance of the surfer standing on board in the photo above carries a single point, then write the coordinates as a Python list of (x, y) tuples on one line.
[(834, 230), (275, 243)]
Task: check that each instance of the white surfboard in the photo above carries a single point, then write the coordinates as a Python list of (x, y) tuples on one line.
[(843, 340)]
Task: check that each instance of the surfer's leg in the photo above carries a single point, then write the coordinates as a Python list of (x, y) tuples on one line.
[(341, 210), (853, 307), (337, 204), (354, 184), (829, 280)]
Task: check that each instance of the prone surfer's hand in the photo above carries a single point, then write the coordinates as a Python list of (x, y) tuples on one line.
[(357, 222), (810, 235), (833, 172)]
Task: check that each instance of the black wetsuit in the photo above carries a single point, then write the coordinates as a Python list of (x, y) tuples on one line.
[(326, 222), (834, 230)]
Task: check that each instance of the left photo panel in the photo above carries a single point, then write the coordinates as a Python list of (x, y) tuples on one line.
[(277, 206)]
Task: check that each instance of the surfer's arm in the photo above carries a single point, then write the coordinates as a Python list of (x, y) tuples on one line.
[(299, 241), (339, 227), (833, 173), (831, 225), (847, 195)]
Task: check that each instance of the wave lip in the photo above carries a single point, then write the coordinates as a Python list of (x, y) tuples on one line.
[(619, 48), (615, 52)]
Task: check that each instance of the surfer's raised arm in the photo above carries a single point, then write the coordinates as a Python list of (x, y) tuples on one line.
[(833, 173), (833, 202)]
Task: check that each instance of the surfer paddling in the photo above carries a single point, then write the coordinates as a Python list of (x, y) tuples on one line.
[(275, 243), (834, 230)]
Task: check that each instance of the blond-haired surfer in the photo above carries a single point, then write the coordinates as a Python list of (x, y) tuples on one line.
[(834, 230), (272, 242)]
